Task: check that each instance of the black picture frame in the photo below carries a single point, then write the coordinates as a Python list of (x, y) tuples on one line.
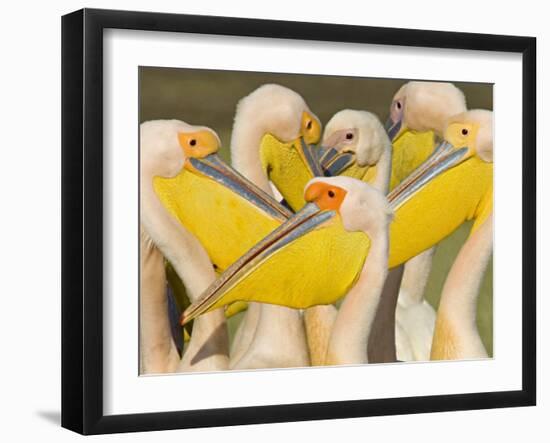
[(82, 220)]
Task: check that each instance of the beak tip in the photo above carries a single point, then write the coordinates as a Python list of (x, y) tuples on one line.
[(183, 319), (393, 129)]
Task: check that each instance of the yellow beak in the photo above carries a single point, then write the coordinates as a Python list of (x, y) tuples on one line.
[(410, 150), (226, 212), (289, 166), (462, 193), (273, 270)]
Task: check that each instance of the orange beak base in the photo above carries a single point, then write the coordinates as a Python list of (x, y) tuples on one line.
[(328, 197)]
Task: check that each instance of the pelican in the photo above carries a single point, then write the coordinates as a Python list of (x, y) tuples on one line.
[(418, 116), (221, 208), (166, 147), (362, 208), (456, 335), (354, 144), (224, 211), (314, 240), (270, 140)]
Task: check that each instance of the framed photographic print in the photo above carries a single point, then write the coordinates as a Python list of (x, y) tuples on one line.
[(271, 221)]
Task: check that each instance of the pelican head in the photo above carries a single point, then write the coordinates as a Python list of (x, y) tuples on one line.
[(424, 106), (272, 132), (362, 208), (472, 129), (418, 115), (168, 145), (226, 212), (355, 144)]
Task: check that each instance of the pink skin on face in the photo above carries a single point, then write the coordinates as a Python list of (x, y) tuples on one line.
[(396, 110)]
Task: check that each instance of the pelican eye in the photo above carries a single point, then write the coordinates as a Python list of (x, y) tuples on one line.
[(193, 142), (309, 124), (349, 136), (398, 104), (215, 266), (331, 194), (464, 131)]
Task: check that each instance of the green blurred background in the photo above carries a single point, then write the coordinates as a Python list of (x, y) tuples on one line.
[(209, 98)]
